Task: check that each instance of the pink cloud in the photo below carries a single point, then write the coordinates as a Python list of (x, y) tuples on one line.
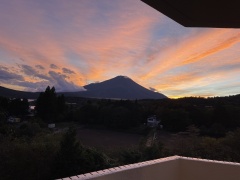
[(98, 40)]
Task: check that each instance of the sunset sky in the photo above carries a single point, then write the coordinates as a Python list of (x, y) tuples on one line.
[(71, 43)]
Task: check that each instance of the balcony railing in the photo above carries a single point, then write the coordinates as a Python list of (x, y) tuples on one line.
[(170, 168)]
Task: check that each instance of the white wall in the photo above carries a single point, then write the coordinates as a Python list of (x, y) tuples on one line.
[(195, 169)]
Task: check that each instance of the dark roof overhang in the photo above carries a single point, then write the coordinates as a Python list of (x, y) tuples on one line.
[(200, 13)]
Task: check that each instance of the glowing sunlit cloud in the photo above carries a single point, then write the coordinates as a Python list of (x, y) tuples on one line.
[(193, 49), (200, 83), (96, 40), (219, 47), (118, 37), (111, 49)]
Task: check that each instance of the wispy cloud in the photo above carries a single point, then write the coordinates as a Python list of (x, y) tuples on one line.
[(32, 80), (30, 71), (153, 89), (5, 76), (70, 43), (40, 67), (67, 71), (218, 47), (53, 66), (60, 82)]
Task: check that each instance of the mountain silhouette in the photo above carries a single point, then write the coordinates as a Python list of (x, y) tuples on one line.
[(10, 93), (120, 87)]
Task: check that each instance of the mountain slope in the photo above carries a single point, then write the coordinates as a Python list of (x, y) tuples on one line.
[(10, 93), (120, 87)]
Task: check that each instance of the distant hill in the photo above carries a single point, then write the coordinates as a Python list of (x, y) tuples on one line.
[(120, 87), (10, 93)]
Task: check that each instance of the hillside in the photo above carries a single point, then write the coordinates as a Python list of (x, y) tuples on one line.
[(10, 93)]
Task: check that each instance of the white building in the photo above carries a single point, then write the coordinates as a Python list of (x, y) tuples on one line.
[(152, 121), (14, 119), (51, 126)]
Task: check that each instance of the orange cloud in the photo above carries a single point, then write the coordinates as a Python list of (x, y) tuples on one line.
[(106, 51), (219, 47), (103, 48), (192, 50), (197, 83), (114, 38)]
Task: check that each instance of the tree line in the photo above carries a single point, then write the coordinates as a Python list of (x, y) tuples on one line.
[(13, 107), (31, 151)]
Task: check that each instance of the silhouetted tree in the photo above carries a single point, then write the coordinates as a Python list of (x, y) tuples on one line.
[(175, 120), (4, 103), (68, 159), (73, 158), (18, 107), (49, 106)]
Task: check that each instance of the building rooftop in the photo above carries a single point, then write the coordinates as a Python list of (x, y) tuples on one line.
[(170, 168)]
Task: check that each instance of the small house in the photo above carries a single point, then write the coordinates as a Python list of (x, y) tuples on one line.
[(51, 126), (14, 119), (152, 121)]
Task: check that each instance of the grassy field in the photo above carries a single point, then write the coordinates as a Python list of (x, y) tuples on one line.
[(108, 140), (111, 140)]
